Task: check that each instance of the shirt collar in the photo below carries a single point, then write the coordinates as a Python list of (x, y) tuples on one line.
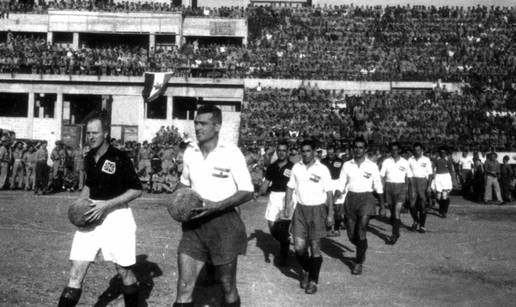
[(317, 162), (366, 160), (195, 145)]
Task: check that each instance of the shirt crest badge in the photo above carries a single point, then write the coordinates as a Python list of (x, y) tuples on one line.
[(315, 178), (286, 173), (109, 167), (367, 175)]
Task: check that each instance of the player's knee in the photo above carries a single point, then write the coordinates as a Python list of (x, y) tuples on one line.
[(228, 284), (185, 286)]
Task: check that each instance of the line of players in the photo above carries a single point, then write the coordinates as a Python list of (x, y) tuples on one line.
[(315, 195)]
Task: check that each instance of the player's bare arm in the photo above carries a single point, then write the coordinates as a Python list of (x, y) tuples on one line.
[(263, 188), (100, 208), (288, 202), (330, 219), (234, 200)]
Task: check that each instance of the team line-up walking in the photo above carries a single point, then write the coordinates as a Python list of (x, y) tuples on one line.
[(309, 200)]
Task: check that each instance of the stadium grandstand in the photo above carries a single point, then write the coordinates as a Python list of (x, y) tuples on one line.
[(291, 69)]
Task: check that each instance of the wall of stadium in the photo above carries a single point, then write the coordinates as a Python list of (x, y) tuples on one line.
[(127, 107), (348, 86)]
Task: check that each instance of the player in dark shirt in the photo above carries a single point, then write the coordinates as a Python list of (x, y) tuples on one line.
[(111, 183), (334, 164), (442, 182), (276, 179)]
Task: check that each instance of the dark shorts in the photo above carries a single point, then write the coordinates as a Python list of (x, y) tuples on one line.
[(359, 204), (217, 240), (395, 193), (309, 222), (420, 186)]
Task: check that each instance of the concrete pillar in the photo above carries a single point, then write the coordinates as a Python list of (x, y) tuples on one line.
[(170, 109), (152, 41), (50, 37), (141, 107), (30, 116), (58, 115), (178, 40), (75, 42)]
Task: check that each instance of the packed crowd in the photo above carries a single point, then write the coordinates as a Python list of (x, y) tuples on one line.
[(31, 54), (374, 43), (24, 165), (337, 43), (41, 7), (477, 119)]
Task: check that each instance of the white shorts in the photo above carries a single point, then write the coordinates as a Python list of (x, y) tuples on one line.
[(335, 186), (115, 237), (442, 182), (275, 207)]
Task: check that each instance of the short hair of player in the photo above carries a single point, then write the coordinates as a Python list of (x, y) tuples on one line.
[(360, 139), (442, 148), (417, 144), (308, 143), (102, 117), (505, 158), (330, 147), (213, 110)]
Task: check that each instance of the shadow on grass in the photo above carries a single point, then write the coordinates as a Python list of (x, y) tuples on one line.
[(337, 251), (145, 272), (270, 246)]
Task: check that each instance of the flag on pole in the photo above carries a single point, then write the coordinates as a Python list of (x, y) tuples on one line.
[(155, 85)]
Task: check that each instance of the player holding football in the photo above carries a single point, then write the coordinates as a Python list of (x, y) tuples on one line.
[(111, 183), (218, 173)]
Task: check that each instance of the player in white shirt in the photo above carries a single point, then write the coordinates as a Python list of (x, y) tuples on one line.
[(216, 235), (310, 182), (422, 174), (359, 177), (395, 175)]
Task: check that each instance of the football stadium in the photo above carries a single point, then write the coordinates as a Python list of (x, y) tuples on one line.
[(315, 83)]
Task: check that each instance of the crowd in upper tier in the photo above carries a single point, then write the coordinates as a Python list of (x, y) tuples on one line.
[(334, 43)]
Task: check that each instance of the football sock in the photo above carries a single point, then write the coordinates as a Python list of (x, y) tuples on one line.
[(69, 297), (446, 204), (315, 268), (233, 304), (361, 251), (422, 218), (130, 295), (303, 260), (396, 227)]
